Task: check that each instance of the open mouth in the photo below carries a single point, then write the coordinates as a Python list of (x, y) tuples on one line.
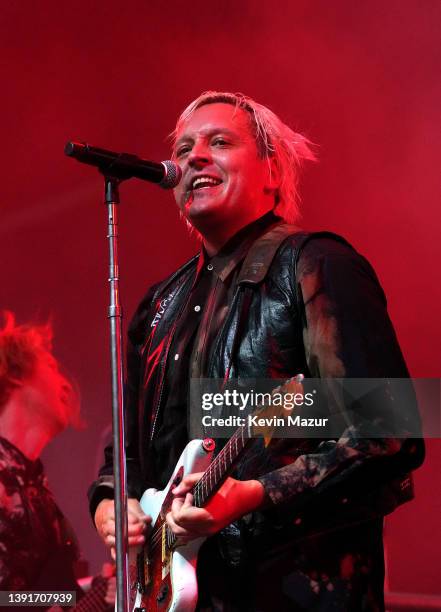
[(204, 182), (199, 185)]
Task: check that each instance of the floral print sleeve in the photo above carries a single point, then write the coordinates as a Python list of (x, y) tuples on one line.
[(30, 521)]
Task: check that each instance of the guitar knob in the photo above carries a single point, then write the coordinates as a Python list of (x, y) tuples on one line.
[(208, 444), (162, 593)]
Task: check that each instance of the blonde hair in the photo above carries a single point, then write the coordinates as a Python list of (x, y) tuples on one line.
[(274, 140)]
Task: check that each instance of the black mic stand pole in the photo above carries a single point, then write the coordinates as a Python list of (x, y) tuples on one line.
[(117, 167), (111, 199)]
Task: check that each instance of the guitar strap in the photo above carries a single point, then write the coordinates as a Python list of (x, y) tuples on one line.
[(255, 268)]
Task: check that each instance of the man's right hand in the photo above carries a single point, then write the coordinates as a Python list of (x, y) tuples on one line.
[(136, 519)]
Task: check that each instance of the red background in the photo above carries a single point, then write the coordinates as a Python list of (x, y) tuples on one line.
[(360, 79)]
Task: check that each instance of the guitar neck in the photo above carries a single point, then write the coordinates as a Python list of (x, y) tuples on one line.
[(220, 467)]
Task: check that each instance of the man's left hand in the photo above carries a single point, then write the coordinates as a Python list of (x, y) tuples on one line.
[(234, 499)]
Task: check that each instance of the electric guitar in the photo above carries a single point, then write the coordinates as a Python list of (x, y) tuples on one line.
[(162, 573)]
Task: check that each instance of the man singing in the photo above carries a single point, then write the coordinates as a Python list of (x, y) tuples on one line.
[(298, 527)]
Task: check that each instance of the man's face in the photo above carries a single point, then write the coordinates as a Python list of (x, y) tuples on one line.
[(52, 395), (224, 181)]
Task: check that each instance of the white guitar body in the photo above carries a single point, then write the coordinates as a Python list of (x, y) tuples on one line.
[(162, 574), (181, 562)]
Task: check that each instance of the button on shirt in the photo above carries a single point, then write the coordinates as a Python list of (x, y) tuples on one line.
[(194, 340)]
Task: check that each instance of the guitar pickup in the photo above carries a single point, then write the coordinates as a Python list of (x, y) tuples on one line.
[(142, 572)]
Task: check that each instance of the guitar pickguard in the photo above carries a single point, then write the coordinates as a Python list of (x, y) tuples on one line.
[(163, 575)]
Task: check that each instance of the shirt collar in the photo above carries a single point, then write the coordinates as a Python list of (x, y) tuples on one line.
[(31, 469), (234, 251)]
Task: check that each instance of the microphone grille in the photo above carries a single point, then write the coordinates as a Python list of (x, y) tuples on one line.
[(172, 175)]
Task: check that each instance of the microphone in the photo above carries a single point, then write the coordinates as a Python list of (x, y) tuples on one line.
[(166, 174)]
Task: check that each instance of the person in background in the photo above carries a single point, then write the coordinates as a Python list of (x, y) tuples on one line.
[(38, 548)]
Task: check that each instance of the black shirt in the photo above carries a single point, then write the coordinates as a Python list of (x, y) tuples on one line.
[(201, 319)]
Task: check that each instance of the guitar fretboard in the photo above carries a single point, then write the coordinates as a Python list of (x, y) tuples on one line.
[(215, 474), (220, 467)]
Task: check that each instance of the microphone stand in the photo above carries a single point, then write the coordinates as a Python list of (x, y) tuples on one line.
[(116, 167), (111, 199)]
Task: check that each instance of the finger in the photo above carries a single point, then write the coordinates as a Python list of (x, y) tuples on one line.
[(105, 523), (136, 540), (110, 540), (107, 526), (113, 553), (188, 502), (107, 517), (176, 506), (181, 509), (176, 529), (105, 511), (187, 483), (194, 520), (135, 532), (136, 535), (183, 535), (138, 528), (106, 531), (136, 518)]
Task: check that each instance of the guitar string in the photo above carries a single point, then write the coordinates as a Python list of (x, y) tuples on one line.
[(204, 486), (171, 538), (156, 537), (202, 483)]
